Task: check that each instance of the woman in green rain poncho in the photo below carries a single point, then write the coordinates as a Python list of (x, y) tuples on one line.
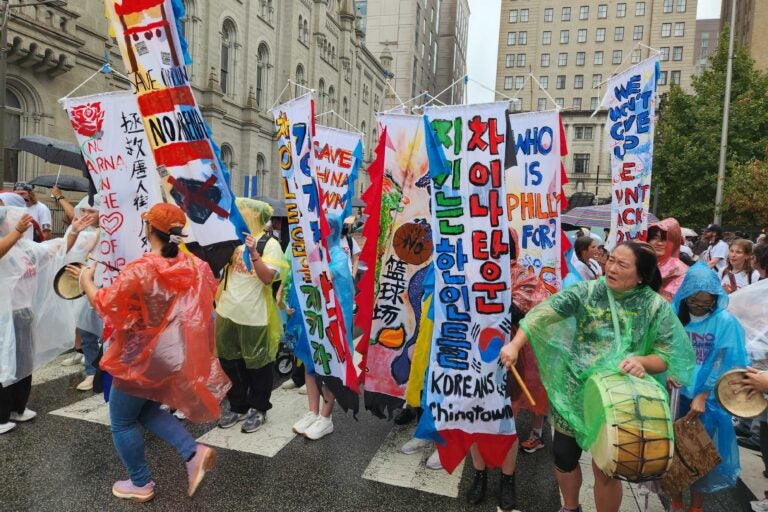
[(618, 322), (248, 325)]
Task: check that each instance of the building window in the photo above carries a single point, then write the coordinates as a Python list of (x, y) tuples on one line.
[(522, 38), (226, 156), (262, 71), (618, 34), (582, 35), (511, 38), (637, 33), (581, 58), (602, 11), (541, 104), (621, 10), (299, 80), (549, 15), (523, 15), (640, 9), (564, 36), (666, 29), (562, 59), (513, 15), (598, 57), (559, 102), (519, 82), (560, 83), (261, 171), (594, 102), (13, 114), (578, 81), (635, 55), (507, 83), (582, 132), (662, 78), (681, 5), (521, 60), (228, 35), (584, 12), (301, 25), (545, 60), (600, 35), (510, 60), (668, 4), (345, 107), (576, 103), (664, 55), (566, 14), (677, 53), (546, 37), (596, 79), (331, 98), (306, 31), (544, 82), (581, 163), (680, 29), (617, 57), (674, 78), (321, 95)]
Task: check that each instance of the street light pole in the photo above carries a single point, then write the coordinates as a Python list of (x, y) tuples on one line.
[(724, 133)]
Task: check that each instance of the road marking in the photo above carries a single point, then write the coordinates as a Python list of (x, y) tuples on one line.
[(53, 370), (287, 408), (93, 409), (752, 472), (391, 466)]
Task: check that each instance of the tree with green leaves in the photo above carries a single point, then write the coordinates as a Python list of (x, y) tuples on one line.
[(687, 146)]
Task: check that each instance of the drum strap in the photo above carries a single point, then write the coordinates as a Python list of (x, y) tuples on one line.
[(614, 316)]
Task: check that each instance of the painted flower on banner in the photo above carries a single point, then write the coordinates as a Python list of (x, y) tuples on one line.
[(88, 118)]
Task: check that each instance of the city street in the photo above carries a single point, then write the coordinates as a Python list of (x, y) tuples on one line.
[(64, 461)]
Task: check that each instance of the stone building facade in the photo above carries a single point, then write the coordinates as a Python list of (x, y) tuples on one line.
[(751, 20)]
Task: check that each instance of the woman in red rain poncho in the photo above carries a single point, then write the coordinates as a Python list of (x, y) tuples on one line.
[(160, 311)]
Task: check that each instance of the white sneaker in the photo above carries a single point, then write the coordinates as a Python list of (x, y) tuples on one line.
[(6, 427), (301, 426), (179, 415), (415, 445), (303, 390), (320, 428), (433, 462), (86, 385), (27, 415), (74, 359), (289, 384), (759, 506)]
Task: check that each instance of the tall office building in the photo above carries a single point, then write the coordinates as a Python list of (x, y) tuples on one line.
[(707, 34), (571, 48), (453, 29), (751, 20)]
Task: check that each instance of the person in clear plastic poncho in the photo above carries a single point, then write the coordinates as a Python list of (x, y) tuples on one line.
[(248, 324), (615, 323), (718, 341)]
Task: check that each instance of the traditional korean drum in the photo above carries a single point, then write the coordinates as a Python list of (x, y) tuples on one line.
[(66, 286), (636, 439), (738, 404)]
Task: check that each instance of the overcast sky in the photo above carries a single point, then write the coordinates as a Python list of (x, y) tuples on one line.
[(484, 37)]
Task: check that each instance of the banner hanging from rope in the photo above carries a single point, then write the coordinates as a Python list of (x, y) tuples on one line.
[(337, 156)]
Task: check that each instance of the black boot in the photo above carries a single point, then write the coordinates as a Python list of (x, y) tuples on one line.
[(476, 493), (507, 497), (405, 416)]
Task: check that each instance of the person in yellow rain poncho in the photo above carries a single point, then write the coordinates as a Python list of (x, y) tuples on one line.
[(248, 325)]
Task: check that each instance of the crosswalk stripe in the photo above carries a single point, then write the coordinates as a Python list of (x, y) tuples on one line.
[(391, 466), (53, 370), (752, 472), (93, 409)]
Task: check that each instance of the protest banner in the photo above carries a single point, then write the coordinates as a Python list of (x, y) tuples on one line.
[(326, 351), (111, 137), (192, 173), (631, 101), (465, 392), (337, 156), (535, 193), (403, 241)]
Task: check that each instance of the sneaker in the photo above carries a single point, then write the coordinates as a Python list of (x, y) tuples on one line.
[(433, 462), (86, 385), (230, 419), (476, 493), (577, 509), (179, 415), (27, 415), (415, 445), (76, 358), (254, 421), (405, 416), (507, 494), (306, 421), (289, 384), (759, 506), (7, 427), (126, 490), (532, 444), (303, 390), (320, 428), (198, 466)]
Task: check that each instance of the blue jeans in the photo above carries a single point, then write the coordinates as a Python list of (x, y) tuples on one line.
[(89, 343), (127, 413)]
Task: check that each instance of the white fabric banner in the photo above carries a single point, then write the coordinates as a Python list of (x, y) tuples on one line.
[(337, 158)]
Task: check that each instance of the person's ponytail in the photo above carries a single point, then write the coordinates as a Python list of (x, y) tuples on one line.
[(170, 242)]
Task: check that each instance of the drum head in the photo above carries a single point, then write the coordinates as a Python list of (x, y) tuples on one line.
[(738, 404), (67, 286)]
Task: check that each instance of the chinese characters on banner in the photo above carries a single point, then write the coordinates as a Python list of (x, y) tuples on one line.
[(631, 102), (178, 136), (465, 395), (535, 192), (111, 137), (403, 255), (328, 349), (338, 155)]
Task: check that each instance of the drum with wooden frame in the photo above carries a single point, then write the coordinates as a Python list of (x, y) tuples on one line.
[(636, 440), (66, 286), (738, 404)]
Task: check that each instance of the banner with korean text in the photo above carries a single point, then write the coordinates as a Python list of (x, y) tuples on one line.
[(465, 392), (337, 156), (192, 174), (631, 102), (111, 137), (535, 193), (326, 350)]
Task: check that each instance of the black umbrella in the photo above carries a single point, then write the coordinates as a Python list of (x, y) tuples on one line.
[(66, 182), (52, 150), (277, 204), (358, 203)]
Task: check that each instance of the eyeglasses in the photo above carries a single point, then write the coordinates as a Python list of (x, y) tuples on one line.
[(698, 304), (23, 185)]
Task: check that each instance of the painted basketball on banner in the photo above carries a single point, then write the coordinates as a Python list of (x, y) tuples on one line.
[(413, 243)]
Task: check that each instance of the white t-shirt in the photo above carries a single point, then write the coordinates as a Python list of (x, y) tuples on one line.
[(684, 249), (41, 214), (740, 278), (719, 250), (350, 254), (587, 272)]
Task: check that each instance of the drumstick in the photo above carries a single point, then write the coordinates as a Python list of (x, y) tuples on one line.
[(110, 267), (522, 385)]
